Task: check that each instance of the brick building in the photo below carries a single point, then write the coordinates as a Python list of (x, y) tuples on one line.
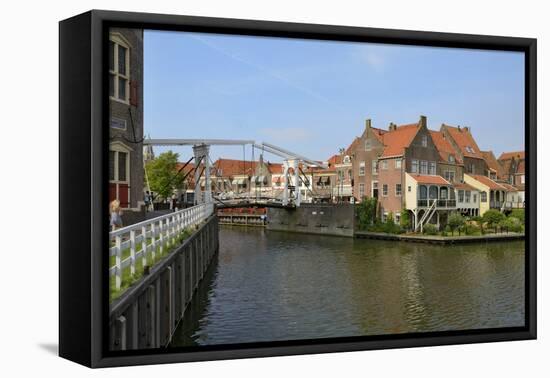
[(126, 117)]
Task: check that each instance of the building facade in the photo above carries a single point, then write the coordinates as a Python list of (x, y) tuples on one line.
[(126, 174)]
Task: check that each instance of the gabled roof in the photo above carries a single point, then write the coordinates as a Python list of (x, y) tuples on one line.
[(465, 141), (509, 155), (429, 179), (353, 146), (379, 133), (488, 182), (492, 162), (444, 147), (395, 141), (464, 186)]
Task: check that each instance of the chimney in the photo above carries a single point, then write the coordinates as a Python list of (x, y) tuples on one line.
[(423, 121), (466, 128), (392, 127), (368, 123)]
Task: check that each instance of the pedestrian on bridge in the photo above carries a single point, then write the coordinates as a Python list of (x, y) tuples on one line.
[(116, 215)]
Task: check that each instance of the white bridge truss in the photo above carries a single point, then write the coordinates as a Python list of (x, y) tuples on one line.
[(201, 151)]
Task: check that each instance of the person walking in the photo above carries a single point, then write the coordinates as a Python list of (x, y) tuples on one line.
[(116, 215)]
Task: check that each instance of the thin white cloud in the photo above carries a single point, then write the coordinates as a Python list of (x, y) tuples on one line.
[(373, 56), (264, 70)]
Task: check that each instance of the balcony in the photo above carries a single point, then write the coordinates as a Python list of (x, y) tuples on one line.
[(440, 203)]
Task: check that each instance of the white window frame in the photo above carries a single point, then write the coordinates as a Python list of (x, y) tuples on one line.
[(118, 40), (424, 163), (118, 147), (384, 165), (398, 164), (432, 164), (385, 190), (361, 191), (361, 168), (374, 168), (415, 163)]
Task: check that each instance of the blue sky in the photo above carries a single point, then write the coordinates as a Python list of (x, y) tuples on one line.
[(313, 97)]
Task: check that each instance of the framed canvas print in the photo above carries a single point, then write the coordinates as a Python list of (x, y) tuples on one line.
[(234, 188)]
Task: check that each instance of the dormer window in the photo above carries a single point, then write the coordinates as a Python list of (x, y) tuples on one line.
[(451, 159), (469, 149)]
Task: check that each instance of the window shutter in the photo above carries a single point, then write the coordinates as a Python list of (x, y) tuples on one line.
[(133, 93)]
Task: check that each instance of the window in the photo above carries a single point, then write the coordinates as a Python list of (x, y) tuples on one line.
[(374, 167), (385, 190), (472, 168), (468, 195), (449, 176), (118, 166), (461, 196), (362, 168), (398, 164), (409, 188), (474, 198), (451, 159), (397, 217), (424, 141), (119, 69), (350, 173), (414, 166), (368, 145), (397, 189), (522, 179), (483, 197), (443, 193), (423, 167), (384, 164), (361, 190), (470, 149), (432, 168)]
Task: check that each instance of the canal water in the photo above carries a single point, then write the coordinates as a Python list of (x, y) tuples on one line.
[(272, 286)]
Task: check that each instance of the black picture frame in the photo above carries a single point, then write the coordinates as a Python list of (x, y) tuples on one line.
[(83, 160)]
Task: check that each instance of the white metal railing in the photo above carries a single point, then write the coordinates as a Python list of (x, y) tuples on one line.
[(143, 239)]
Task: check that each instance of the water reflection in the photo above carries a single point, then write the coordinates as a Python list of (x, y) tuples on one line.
[(270, 286)]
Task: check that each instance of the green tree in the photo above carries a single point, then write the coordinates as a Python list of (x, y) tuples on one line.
[(455, 221), (162, 174), (405, 220), (493, 218), (518, 214), (511, 224), (366, 212), (479, 222)]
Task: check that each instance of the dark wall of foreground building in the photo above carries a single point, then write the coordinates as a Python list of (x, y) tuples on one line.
[(326, 219)]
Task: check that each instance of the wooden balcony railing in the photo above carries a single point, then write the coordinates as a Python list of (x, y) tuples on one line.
[(440, 203)]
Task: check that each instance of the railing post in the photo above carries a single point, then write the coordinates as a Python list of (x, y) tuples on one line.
[(161, 236), (132, 252), (118, 274), (144, 246), (153, 242)]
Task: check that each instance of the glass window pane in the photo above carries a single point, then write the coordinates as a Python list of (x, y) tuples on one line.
[(122, 60), (111, 56), (122, 88), (111, 165), (122, 156)]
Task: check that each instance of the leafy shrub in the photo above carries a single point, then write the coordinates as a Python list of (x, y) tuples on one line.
[(493, 218), (405, 220), (470, 229), (511, 224), (519, 214), (455, 222), (430, 229), (366, 213)]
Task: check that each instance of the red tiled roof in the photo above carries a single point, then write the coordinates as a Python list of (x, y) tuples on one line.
[(509, 187), (509, 155), (232, 167), (379, 133), (464, 139), (397, 140), (274, 168), (188, 168), (444, 147), (520, 169), (492, 162), (429, 179), (488, 182)]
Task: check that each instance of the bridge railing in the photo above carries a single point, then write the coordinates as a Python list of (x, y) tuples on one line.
[(143, 240)]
